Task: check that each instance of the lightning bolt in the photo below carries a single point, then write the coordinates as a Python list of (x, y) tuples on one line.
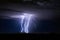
[(25, 20)]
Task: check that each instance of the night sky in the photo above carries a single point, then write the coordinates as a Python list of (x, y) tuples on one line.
[(47, 16)]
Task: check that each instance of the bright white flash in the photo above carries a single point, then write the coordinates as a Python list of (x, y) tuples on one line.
[(25, 20)]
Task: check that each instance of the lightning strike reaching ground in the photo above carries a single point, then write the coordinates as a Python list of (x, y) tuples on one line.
[(25, 20)]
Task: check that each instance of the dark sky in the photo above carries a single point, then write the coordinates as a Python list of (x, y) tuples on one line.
[(46, 12)]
